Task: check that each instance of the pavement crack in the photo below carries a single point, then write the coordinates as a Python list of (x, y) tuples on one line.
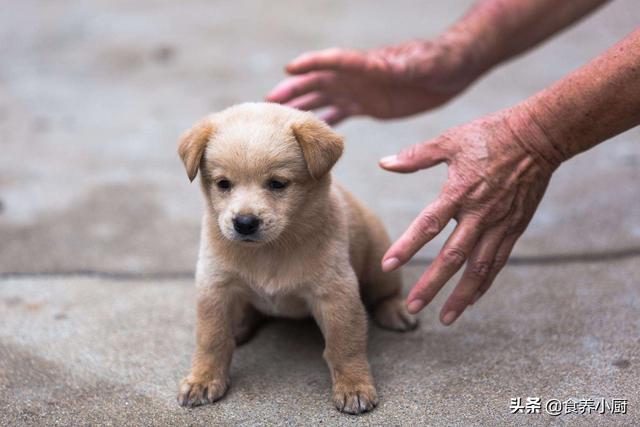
[(522, 260)]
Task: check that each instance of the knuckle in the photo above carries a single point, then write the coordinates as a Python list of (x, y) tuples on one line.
[(499, 262), (516, 219), (454, 257), (409, 153), (323, 81), (516, 228), (422, 292), (459, 301), (427, 226), (446, 141), (382, 63), (517, 222), (298, 90), (479, 269)]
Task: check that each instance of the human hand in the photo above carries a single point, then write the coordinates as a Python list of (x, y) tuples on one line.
[(497, 177), (383, 83)]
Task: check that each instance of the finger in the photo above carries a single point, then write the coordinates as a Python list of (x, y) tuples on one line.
[(334, 115), (335, 59), (477, 271), (450, 259), (309, 101), (294, 87), (416, 157), (519, 223), (500, 260), (425, 227)]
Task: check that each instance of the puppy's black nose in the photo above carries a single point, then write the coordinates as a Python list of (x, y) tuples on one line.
[(246, 224)]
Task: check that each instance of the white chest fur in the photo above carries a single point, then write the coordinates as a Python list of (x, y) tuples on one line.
[(277, 289), (280, 305)]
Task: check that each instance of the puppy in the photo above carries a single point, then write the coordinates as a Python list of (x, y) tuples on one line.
[(280, 238)]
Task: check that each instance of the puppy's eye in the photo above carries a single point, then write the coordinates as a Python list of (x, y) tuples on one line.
[(224, 184), (276, 184)]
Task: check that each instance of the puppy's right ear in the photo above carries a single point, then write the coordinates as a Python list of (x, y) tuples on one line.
[(192, 144)]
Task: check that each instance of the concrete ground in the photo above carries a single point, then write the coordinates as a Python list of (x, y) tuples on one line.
[(99, 225)]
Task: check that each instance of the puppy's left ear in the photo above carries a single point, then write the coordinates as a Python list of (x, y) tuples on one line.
[(321, 146), (192, 144)]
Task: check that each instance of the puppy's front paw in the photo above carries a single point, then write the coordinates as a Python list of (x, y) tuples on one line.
[(355, 398), (196, 391), (392, 314)]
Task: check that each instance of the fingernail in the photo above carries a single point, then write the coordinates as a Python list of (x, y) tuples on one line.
[(415, 306), (291, 66), (389, 160), (271, 96), (449, 317), (390, 264), (476, 297)]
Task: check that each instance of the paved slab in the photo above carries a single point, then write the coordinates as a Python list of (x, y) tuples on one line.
[(89, 351)]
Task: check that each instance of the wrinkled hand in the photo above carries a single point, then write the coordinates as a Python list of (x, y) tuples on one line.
[(383, 83), (495, 182)]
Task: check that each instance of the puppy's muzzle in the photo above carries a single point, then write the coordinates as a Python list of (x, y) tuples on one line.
[(246, 224)]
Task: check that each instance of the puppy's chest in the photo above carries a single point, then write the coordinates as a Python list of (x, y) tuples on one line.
[(277, 290), (280, 305)]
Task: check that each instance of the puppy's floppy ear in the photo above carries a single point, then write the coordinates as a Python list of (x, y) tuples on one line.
[(192, 144), (321, 146)]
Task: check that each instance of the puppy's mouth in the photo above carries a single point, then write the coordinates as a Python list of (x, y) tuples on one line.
[(249, 240)]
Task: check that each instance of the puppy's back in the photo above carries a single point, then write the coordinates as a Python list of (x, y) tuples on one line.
[(367, 235)]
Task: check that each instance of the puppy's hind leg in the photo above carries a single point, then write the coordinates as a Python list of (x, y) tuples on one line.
[(382, 292), (390, 312)]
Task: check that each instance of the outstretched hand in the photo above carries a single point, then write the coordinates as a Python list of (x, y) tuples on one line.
[(493, 188), (383, 83)]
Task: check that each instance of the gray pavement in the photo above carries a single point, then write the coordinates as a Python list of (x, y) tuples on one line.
[(92, 99)]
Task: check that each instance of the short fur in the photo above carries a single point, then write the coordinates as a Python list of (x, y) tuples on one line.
[(317, 251)]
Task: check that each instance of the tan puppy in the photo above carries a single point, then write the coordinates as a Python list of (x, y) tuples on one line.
[(280, 238)]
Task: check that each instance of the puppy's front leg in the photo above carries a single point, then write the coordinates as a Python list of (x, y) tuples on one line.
[(342, 318), (209, 377)]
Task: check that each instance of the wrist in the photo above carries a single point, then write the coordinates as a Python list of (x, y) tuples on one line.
[(453, 64), (476, 43), (531, 129)]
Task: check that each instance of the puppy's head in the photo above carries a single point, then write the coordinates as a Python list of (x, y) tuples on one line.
[(258, 165)]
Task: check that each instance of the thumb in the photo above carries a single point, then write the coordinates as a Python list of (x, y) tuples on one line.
[(416, 157)]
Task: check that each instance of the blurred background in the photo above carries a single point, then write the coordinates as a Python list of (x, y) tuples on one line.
[(93, 96)]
